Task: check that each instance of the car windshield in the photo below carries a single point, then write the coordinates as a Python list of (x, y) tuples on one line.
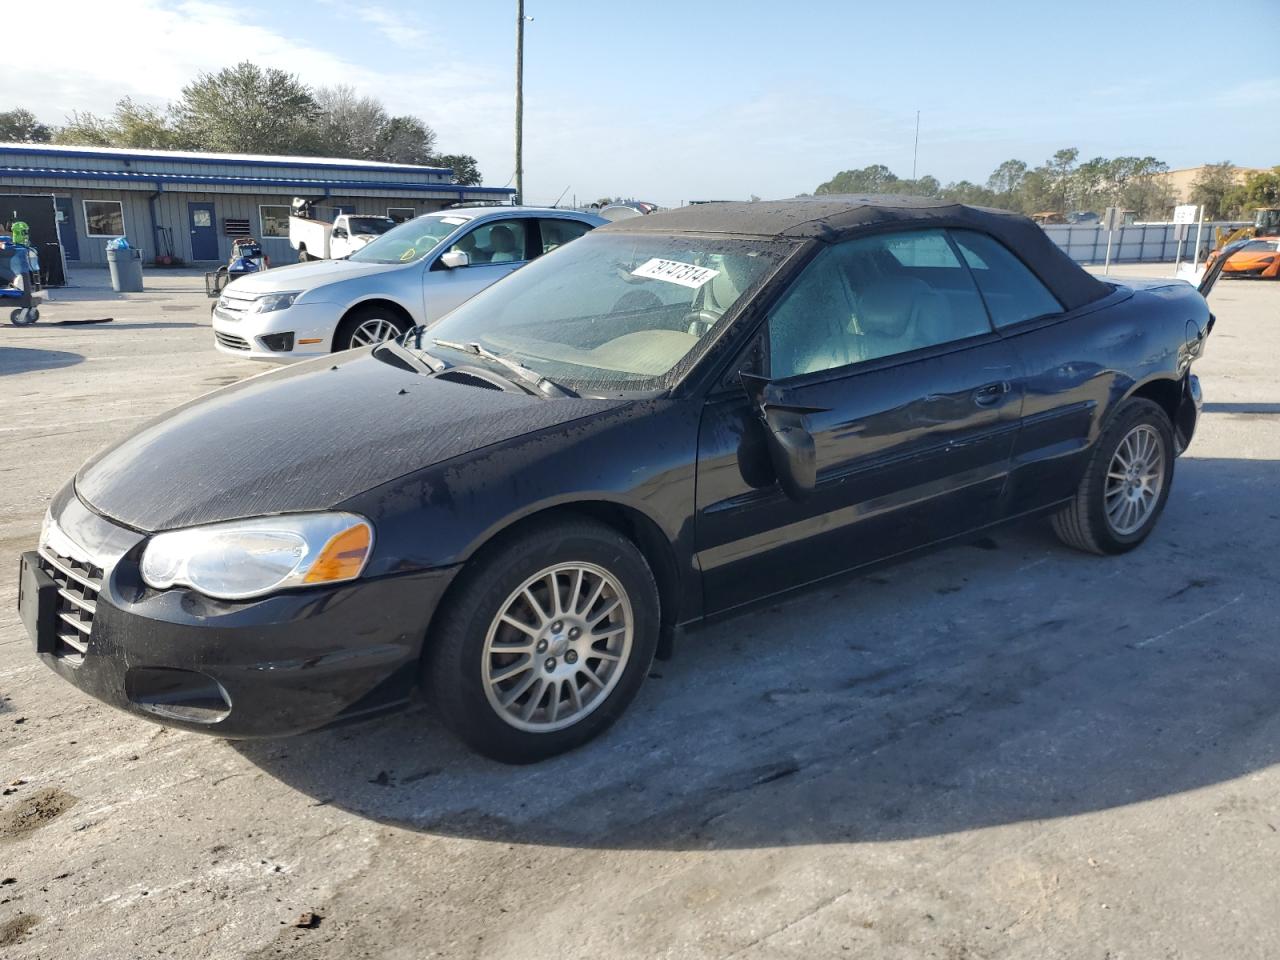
[(410, 241), (371, 224), (613, 311)]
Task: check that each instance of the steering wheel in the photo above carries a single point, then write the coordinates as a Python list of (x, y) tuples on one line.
[(636, 300)]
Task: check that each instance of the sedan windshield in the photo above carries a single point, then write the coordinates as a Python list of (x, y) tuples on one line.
[(410, 241), (614, 311)]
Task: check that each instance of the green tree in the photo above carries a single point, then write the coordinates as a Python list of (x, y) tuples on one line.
[(1211, 187), (21, 126), (131, 124), (971, 193), (1258, 190), (1060, 168), (876, 178), (349, 125), (405, 140), (246, 109), (465, 171), (86, 130), (1007, 178)]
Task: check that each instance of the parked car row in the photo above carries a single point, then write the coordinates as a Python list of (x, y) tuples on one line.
[(534, 489)]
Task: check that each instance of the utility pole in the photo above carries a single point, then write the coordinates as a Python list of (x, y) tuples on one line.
[(519, 101), (915, 150)]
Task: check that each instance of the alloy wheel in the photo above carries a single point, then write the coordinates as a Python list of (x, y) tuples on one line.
[(375, 330), (557, 647), (1135, 478)]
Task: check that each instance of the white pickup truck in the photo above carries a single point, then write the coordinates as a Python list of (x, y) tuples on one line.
[(317, 238)]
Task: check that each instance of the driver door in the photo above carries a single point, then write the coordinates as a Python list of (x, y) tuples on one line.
[(496, 248), (914, 406)]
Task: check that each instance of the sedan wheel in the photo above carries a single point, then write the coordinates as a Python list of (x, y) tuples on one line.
[(372, 331), (1135, 479), (543, 640), (367, 326), (1125, 484), (558, 647)]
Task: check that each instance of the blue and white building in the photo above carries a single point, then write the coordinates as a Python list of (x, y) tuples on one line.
[(191, 205)]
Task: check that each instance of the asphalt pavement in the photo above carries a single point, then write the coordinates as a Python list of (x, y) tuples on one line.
[(1002, 750)]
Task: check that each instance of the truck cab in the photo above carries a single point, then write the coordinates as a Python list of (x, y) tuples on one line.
[(326, 233)]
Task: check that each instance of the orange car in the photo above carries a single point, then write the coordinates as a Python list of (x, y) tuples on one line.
[(1255, 258)]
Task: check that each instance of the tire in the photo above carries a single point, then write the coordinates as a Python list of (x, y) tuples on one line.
[(352, 331), (24, 316), (1097, 519), (464, 667), (303, 256)]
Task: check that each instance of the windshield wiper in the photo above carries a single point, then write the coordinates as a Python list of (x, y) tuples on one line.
[(541, 384), (411, 358)]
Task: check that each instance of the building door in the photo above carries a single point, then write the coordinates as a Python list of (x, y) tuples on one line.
[(204, 233), (67, 228)]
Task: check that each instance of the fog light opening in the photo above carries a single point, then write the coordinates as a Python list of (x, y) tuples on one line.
[(278, 342), (178, 694)]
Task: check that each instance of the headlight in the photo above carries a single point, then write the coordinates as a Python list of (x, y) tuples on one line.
[(249, 558), (275, 301)]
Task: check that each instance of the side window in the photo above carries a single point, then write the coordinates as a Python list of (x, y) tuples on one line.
[(556, 233), (874, 297), (499, 241), (1013, 293)]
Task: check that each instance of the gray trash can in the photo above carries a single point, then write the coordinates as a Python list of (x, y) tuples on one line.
[(126, 270)]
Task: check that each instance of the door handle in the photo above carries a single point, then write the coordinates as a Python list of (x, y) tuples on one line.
[(990, 394)]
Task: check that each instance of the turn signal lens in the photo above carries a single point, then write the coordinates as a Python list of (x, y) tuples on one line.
[(343, 556)]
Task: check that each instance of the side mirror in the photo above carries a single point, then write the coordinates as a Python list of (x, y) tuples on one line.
[(791, 449), (455, 258), (339, 232)]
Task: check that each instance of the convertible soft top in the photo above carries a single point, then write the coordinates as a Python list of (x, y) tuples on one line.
[(837, 217)]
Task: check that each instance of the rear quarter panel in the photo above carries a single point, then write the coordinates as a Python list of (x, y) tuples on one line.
[(1078, 368)]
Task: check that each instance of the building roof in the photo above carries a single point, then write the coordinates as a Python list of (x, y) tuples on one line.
[(195, 156), (831, 218), (178, 168)]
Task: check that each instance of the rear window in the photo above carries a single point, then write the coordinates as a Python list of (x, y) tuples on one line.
[(1012, 292)]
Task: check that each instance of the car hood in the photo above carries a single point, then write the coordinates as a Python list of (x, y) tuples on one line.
[(305, 437), (305, 276)]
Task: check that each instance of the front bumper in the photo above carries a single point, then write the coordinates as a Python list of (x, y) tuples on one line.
[(268, 667), (242, 334)]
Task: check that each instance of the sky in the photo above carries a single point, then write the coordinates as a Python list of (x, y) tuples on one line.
[(708, 99)]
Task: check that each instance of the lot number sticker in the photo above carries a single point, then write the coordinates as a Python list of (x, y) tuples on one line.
[(674, 271)]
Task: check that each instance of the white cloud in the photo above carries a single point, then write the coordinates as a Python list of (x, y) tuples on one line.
[(150, 49)]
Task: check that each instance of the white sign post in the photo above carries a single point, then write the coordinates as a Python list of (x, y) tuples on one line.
[(1195, 263), (1183, 215), (1111, 222)]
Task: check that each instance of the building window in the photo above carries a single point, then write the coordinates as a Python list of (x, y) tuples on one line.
[(275, 220), (401, 214), (104, 218)]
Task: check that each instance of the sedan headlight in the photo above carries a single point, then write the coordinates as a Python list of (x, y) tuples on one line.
[(275, 301), (249, 558)]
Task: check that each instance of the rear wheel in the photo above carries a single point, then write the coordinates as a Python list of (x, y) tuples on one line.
[(545, 641), (1125, 486), (367, 326), (303, 256)]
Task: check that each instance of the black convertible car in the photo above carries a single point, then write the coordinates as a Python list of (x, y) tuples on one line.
[(668, 419)]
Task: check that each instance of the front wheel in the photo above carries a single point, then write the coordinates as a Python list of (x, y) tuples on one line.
[(545, 641), (368, 326), (1125, 486), (24, 316)]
